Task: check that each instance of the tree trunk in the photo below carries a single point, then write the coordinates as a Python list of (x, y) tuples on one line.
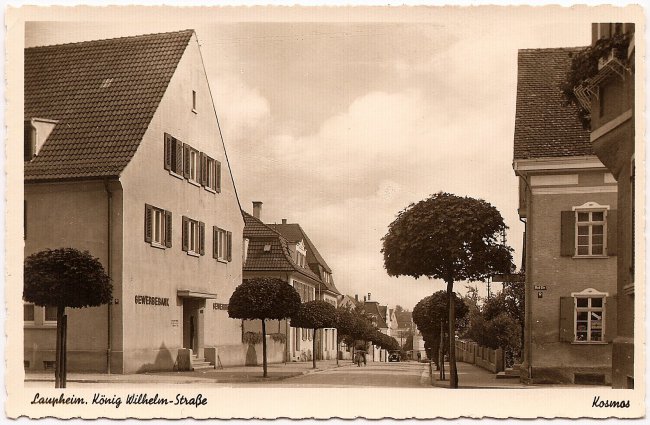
[(264, 346), (521, 343), (59, 368), (64, 353), (313, 353), (441, 351), (453, 374)]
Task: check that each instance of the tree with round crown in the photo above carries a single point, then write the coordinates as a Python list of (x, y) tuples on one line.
[(263, 298), (65, 277), (448, 237), (315, 315)]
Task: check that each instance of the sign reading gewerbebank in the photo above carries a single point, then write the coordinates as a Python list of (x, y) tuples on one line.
[(146, 299)]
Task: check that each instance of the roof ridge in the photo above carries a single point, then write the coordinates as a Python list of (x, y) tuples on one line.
[(548, 49), (100, 40)]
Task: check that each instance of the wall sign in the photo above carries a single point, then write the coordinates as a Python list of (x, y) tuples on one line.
[(219, 306), (174, 323), (540, 287), (147, 300)]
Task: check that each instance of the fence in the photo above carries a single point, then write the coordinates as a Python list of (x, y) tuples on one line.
[(484, 357)]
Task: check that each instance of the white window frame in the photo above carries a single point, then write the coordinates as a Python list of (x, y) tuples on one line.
[(194, 166), (193, 237), (590, 208), (158, 227), (211, 178), (221, 242), (589, 294), (45, 319)]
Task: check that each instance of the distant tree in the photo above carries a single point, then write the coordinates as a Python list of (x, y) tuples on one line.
[(431, 317), (315, 315), (62, 278), (263, 298), (399, 308), (511, 300), (451, 238)]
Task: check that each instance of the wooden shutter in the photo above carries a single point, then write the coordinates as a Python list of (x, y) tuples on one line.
[(203, 159), (148, 218), (201, 238), (229, 246), (218, 176), (568, 234), (179, 158), (215, 242), (168, 229), (184, 234), (612, 226), (169, 152), (567, 313), (186, 163), (611, 314)]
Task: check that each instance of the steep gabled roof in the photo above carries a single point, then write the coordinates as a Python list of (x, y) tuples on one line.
[(293, 232), (373, 308), (103, 94), (545, 127), (404, 319), (275, 259)]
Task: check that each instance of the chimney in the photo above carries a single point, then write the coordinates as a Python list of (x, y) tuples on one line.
[(364, 299), (257, 210), (356, 297), (284, 221), (368, 296)]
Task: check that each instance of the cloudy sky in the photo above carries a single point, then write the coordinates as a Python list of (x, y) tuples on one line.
[(340, 125)]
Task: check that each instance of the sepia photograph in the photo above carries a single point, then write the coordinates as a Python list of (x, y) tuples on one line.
[(236, 212)]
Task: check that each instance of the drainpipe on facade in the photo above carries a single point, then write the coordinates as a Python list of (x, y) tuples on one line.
[(528, 355), (109, 196)]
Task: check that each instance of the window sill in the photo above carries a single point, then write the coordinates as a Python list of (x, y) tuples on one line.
[(589, 343), (221, 260), (157, 245), (209, 189), (193, 254), (178, 176), (193, 182), (576, 257), (43, 326)]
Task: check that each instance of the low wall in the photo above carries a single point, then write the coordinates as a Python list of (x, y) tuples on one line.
[(249, 354), (484, 357)]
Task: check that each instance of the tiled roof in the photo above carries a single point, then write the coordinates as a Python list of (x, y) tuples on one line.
[(404, 319), (373, 308), (545, 126), (277, 258), (103, 94), (294, 233)]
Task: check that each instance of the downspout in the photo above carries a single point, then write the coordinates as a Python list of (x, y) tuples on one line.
[(528, 355), (109, 263)]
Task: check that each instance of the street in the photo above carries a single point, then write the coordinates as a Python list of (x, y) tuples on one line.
[(399, 374)]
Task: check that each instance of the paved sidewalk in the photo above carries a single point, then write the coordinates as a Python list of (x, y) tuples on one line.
[(471, 376), (239, 374)]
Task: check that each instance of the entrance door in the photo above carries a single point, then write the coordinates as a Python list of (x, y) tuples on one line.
[(192, 324)]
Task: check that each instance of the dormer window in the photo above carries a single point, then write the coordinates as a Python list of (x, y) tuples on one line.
[(37, 130), (301, 254)]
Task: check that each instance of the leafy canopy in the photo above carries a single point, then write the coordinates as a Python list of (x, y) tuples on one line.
[(66, 277), (431, 311), (315, 314), (447, 237), (263, 298)]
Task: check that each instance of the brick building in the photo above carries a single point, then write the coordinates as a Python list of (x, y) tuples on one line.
[(568, 201)]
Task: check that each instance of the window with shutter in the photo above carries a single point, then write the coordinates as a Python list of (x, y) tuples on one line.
[(589, 316), (229, 246), (184, 234), (179, 159), (591, 235), (218, 177), (567, 232), (201, 238), (157, 223), (220, 244), (170, 152), (186, 160), (612, 241), (203, 172), (611, 324), (193, 235)]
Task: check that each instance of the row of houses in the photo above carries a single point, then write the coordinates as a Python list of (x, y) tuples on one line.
[(124, 129), (576, 198)]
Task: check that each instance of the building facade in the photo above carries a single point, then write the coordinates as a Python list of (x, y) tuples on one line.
[(117, 131), (269, 253), (568, 201), (611, 106)]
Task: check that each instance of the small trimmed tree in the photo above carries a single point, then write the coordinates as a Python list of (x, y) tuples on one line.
[(65, 277), (263, 298), (451, 238), (345, 323), (315, 315)]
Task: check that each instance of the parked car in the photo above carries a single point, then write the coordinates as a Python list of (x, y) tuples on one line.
[(393, 357)]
